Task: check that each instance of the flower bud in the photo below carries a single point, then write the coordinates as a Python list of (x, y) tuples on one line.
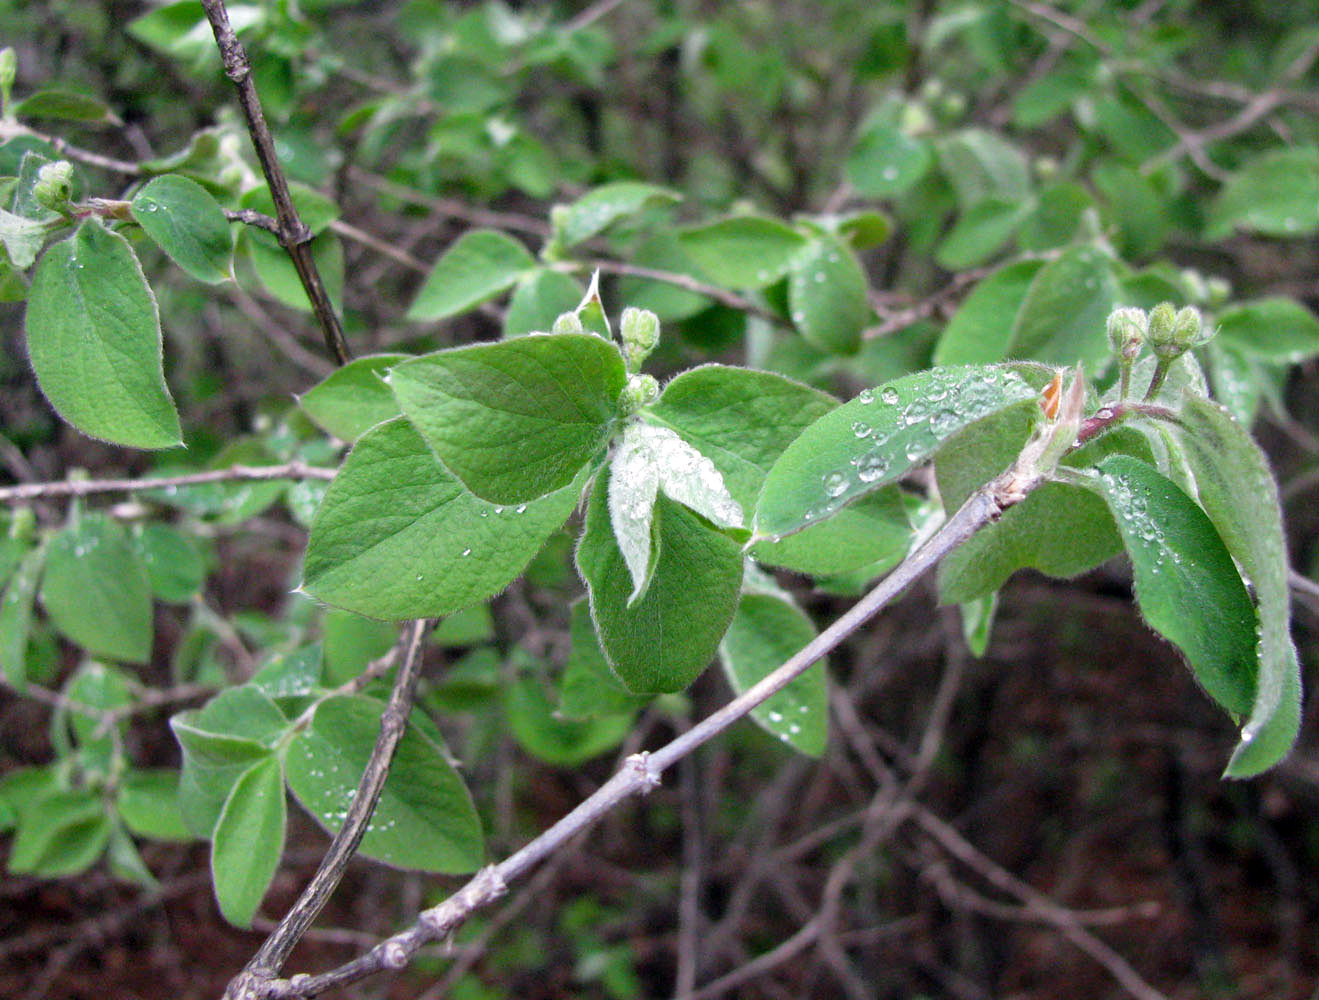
[(54, 186), (640, 330), (641, 390), (1219, 289), (1126, 331), (1173, 333)]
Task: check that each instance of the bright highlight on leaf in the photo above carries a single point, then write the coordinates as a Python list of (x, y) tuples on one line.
[(649, 459)]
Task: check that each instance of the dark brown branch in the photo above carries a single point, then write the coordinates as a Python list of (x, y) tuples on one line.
[(271, 956), (294, 236)]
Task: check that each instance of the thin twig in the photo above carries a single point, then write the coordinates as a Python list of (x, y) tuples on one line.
[(234, 473), (349, 231), (294, 235), (450, 207), (684, 281), (9, 130), (271, 956), (642, 772)]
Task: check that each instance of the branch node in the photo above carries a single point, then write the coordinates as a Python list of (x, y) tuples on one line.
[(393, 955), (649, 775)]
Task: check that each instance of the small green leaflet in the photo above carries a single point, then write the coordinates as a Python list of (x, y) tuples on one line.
[(477, 267), (1273, 330), (1062, 319), (668, 637), (248, 840), (1187, 586), (93, 336), (188, 224), (16, 617), (980, 332), (874, 439), (564, 742), (541, 296), (515, 420), (765, 631), (62, 833), (424, 820), (397, 536), (886, 161), (1276, 194)]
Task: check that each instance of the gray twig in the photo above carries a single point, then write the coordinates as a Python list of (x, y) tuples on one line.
[(234, 473)]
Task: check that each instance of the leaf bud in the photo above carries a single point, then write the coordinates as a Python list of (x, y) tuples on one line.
[(640, 330), (1219, 289), (54, 186), (8, 70), (640, 391), (1126, 331), (568, 322)]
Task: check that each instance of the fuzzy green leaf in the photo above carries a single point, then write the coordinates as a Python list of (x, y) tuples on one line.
[(664, 640), (564, 742), (588, 688), (16, 617), (188, 224), (886, 161), (60, 834), (1187, 586), (248, 840), (1280, 331), (515, 420), (424, 820), (93, 336), (397, 536), (477, 267), (541, 296), (875, 439), (1240, 496)]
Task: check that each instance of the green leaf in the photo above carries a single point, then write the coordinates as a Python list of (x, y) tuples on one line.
[(314, 209), (351, 642), (764, 632), (397, 536), (60, 834), (173, 562), (220, 741), (100, 687), (275, 271), (16, 617), (22, 238), (188, 224), (96, 591), (1062, 320), (66, 105), (353, 398), (248, 841), (1054, 217), (291, 675), (1045, 98), (980, 231), (978, 622), (600, 208), (1060, 529), (980, 332), (148, 803), (465, 628), (743, 251), (93, 336), (424, 820), (827, 295), (124, 860), (1187, 586), (1135, 204), (981, 164), (515, 420), (875, 439), (1276, 194), (588, 688), (886, 162), (742, 421), (541, 296), (1277, 330), (566, 743), (664, 640), (1241, 498), (662, 251), (477, 267)]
